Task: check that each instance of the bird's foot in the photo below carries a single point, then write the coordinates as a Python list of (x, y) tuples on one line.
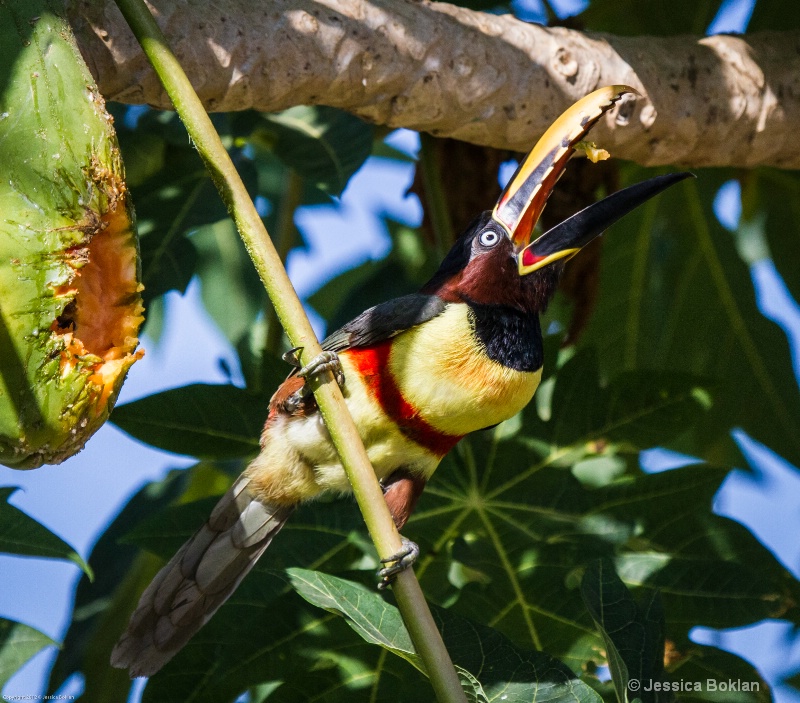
[(398, 562), (326, 361)]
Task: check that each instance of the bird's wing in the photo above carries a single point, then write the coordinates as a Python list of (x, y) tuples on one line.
[(385, 321)]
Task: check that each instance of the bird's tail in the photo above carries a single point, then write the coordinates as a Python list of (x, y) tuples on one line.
[(198, 579)]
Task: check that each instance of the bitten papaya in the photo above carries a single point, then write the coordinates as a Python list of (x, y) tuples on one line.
[(70, 303)]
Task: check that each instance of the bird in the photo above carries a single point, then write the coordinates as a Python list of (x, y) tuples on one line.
[(418, 373)]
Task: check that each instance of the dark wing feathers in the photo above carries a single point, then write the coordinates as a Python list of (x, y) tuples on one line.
[(384, 321)]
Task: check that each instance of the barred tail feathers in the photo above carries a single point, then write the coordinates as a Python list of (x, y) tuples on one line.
[(198, 579)]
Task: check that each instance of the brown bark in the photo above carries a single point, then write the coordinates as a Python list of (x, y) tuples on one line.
[(491, 80)]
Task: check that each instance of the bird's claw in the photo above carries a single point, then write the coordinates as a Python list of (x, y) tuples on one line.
[(326, 361), (292, 357), (399, 562)]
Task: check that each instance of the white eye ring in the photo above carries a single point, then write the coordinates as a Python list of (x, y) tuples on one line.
[(489, 238)]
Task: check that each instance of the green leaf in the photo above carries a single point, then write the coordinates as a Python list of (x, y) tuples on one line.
[(102, 607), (675, 296), (323, 144), (360, 288), (164, 532), (167, 264), (472, 687), (21, 534), (505, 672), (706, 675), (265, 632), (375, 620), (232, 292), (771, 213), (633, 634), (206, 421), (511, 532), (650, 17), (639, 409), (174, 196), (18, 643), (406, 268)]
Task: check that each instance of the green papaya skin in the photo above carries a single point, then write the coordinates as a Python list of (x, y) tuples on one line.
[(70, 303)]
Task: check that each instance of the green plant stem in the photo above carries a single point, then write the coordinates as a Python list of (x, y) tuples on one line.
[(434, 195), (344, 434), (289, 202)]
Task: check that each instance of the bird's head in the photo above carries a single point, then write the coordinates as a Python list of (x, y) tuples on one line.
[(494, 260)]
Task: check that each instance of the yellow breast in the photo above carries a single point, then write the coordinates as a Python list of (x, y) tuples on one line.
[(443, 371)]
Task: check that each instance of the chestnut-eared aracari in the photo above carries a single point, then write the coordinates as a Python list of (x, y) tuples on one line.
[(418, 373)]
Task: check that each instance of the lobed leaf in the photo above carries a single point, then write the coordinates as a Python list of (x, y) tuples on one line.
[(675, 296), (633, 634)]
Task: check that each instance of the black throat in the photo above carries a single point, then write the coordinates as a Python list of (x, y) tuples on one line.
[(511, 337)]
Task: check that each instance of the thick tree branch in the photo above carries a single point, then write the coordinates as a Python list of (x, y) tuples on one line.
[(721, 100)]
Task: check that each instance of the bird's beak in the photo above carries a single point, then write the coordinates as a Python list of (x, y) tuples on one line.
[(574, 233), (521, 203)]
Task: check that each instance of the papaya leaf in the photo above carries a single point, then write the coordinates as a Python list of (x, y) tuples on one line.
[(675, 296), (232, 292), (640, 409), (362, 287), (472, 687), (374, 619), (649, 18), (18, 643), (265, 632), (510, 526), (772, 217), (167, 264), (102, 607), (709, 675), (633, 634), (406, 268), (173, 201), (206, 421), (324, 145), (505, 672), (165, 531), (775, 15), (273, 174), (21, 534), (516, 541)]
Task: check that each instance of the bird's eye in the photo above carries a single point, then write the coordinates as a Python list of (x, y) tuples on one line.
[(489, 238)]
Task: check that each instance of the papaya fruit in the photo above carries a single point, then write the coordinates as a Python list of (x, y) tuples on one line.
[(70, 291)]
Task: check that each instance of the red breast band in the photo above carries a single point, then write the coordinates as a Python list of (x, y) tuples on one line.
[(373, 366)]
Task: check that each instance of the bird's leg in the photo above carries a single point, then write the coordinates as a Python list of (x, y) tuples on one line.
[(400, 561), (401, 490), (326, 361)]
